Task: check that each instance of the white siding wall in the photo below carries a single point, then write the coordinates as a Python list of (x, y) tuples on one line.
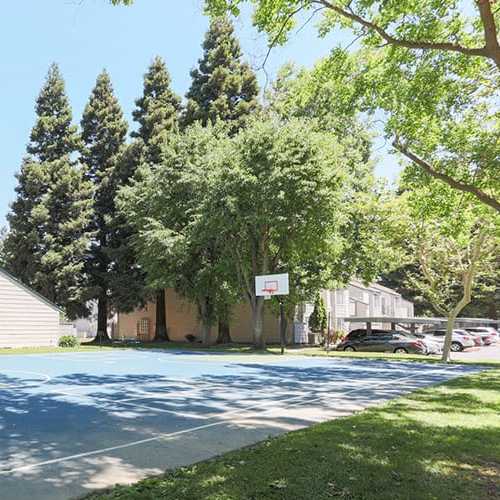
[(25, 320)]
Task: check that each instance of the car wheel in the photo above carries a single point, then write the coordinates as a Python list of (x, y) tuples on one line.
[(349, 348), (400, 350), (456, 347)]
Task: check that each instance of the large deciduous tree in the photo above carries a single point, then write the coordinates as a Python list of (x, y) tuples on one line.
[(177, 244), (454, 241), (103, 131), (157, 113), (48, 238), (223, 88), (433, 71), (276, 202)]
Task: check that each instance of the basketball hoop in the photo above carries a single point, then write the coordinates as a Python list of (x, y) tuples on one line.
[(270, 285), (269, 289)]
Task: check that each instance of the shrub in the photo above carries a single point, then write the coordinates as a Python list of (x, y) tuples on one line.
[(68, 341), (318, 318)]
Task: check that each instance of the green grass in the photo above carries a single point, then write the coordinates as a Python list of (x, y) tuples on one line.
[(439, 443), (242, 349), (47, 350)]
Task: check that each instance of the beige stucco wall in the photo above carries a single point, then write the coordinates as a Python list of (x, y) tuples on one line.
[(182, 320)]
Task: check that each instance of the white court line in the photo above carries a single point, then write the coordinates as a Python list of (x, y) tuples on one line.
[(170, 435)]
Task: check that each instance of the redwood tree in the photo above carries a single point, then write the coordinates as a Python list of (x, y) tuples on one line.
[(48, 237), (103, 130), (157, 112)]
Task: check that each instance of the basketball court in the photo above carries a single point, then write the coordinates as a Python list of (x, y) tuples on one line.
[(73, 422)]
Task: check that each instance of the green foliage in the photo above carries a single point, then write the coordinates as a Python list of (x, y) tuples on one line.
[(177, 245), (53, 135), (223, 87), (3, 234), (103, 131), (431, 67), (318, 319), (48, 237), (68, 341), (156, 111), (328, 97), (220, 209), (454, 241)]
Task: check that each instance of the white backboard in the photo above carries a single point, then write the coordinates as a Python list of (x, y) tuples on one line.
[(271, 284)]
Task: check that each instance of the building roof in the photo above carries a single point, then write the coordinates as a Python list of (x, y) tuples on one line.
[(35, 294), (373, 286), (418, 321)]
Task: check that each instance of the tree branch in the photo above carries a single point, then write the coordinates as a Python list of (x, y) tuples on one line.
[(490, 30), (461, 186), (486, 51)]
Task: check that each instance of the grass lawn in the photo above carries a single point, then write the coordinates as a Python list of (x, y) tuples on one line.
[(243, 349), (438, 443)]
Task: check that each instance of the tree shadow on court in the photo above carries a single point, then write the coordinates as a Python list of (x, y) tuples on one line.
[(41, 423), (389, 452)]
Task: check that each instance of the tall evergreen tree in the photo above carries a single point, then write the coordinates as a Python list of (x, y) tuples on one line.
[(53, 135), (223, 86), (157, 114), (48, 236), (103, 131)]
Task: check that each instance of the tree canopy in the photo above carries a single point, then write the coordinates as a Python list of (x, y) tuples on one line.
[(49, 234), (223, 86), (431, 67)]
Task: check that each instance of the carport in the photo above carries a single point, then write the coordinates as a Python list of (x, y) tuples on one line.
[(411, 324)]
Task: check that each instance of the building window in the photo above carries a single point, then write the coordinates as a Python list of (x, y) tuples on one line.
[(352, 308), (143, 328), (339, 294), (384, 306)]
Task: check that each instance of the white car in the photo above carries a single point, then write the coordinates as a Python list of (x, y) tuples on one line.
[(431, 346), (459, 340), (487, 333)]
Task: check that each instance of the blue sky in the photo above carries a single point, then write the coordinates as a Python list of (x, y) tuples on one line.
[(85, 36)]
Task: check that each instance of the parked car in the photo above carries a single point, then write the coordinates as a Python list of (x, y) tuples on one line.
[(433, 346), (459, 340), (487, 333), (382, 341), (478, 341)]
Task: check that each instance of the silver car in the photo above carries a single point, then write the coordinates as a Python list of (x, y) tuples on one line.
[(459, 340)]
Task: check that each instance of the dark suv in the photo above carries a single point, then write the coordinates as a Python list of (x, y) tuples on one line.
[(382, 341)]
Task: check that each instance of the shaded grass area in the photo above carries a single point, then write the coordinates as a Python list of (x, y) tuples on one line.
[(438, 443)]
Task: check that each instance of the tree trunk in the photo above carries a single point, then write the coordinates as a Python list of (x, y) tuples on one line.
[(205, 333), (224, 335), (102, 320), (161, 334), (205, 321), (258, 323), (283, 327), (468, 280), (450, 324)]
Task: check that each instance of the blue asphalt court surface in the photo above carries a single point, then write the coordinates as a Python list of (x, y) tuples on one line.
[(71, 423)]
